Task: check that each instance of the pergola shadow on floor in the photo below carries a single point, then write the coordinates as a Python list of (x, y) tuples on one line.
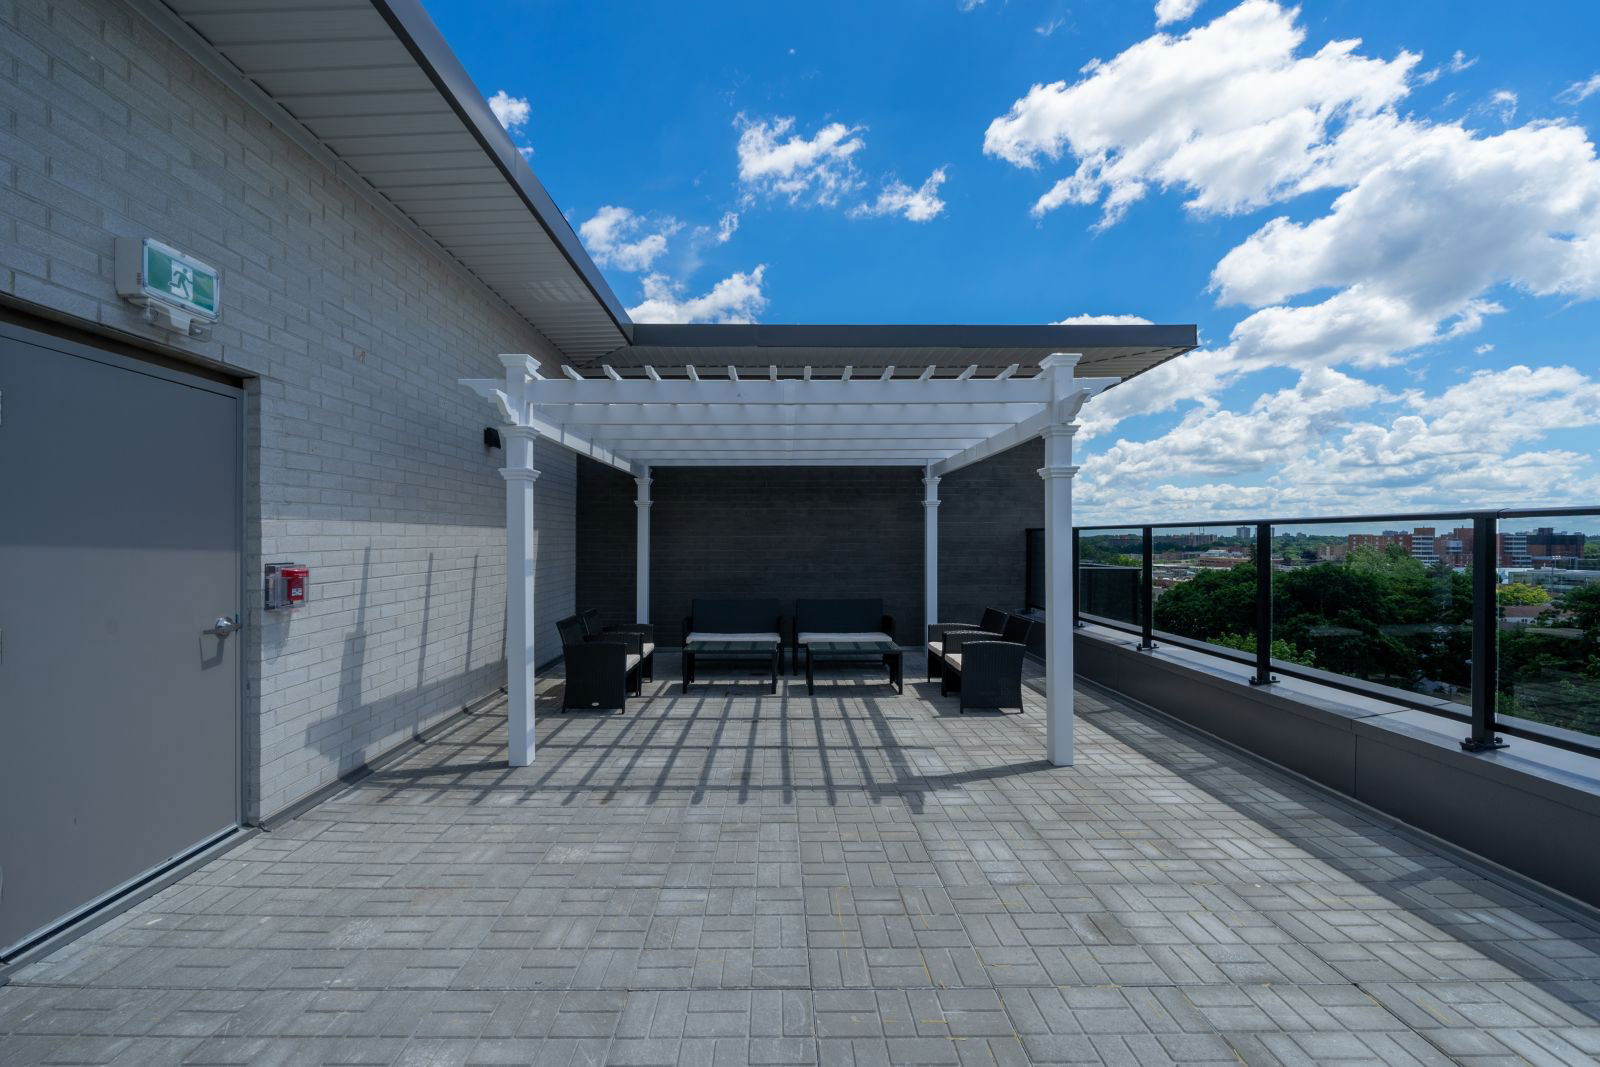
[(856, 877)]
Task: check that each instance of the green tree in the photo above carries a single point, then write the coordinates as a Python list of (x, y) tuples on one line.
[(1212, 602), (1521, 594), (1582, 605), (1281, 649)]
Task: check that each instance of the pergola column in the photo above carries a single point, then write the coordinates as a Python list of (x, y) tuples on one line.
[(930, 549), (520, 475), (1057, 473), (641, 593)]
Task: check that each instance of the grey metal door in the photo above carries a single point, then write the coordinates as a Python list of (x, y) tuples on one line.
[(119, 550)]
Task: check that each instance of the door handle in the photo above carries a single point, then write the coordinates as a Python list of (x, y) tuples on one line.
[(223, 626)]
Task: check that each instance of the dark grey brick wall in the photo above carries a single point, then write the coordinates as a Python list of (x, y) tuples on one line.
[(809, 531), (982, 550)]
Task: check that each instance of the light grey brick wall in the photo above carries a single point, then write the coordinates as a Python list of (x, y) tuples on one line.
[(364, 457)]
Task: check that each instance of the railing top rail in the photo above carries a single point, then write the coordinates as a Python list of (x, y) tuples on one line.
[(1317, 520)]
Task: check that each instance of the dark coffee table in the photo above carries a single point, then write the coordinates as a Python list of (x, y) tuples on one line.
[(893, 658), (730, 649)]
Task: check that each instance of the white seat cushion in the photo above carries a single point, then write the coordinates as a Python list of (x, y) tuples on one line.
[(954, 660), (936, 647), (633, 661), (698, 636), (648, 646), (827, 638)]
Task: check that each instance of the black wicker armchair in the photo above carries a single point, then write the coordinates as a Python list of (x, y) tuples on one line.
[(602, 669), (990, 674), (647, 639), (983, 667), (995, 622)]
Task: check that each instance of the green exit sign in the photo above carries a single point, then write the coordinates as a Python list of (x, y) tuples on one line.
[(149, 271)]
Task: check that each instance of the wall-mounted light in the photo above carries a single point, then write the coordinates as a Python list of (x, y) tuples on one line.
[(491, 437)]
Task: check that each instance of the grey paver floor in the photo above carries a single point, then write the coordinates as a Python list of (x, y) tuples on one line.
[(856, 878)]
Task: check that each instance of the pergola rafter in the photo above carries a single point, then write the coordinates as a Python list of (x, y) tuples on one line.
[(940, 424)]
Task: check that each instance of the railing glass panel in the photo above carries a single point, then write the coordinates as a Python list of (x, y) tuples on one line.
[(1111, 574), (1388, 603), (1547, 620), (1205, 584)]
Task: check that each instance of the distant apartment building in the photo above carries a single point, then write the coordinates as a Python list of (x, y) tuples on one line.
[(1422, 539), (1546, 543), (1543, 547), (1380, 542)]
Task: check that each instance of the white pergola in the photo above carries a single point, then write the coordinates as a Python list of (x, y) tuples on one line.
[(940, 424)]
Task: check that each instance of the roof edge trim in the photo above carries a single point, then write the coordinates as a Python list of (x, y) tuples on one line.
[(1063, 338)]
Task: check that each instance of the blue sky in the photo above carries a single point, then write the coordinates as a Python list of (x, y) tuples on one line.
[(1384, 218)]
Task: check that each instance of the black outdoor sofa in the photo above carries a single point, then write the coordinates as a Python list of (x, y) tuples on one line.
[(720, 621), (983, 662), (604, 665), (839, 620)]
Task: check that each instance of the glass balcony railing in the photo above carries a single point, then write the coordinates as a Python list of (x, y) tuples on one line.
[(1547, 622), (1491, 618), (1204, 580), (1111, 575), (1386, 602)]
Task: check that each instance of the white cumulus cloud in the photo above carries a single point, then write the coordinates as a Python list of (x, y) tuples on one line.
[(776, 161), (1228, 112), (1169, 11), (736, 298), (1102, 320), (1406, 268), (1429, 226), (1334, 443), (897, 198), (616, 237), (512, 111)]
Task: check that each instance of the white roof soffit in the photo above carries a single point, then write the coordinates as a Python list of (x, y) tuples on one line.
[(791, 419), (755, 350), (377, 87)]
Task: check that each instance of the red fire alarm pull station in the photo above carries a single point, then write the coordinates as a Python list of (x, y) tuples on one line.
[(287, 585)]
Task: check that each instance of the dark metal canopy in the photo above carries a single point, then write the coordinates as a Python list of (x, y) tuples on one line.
[(1115, 351)]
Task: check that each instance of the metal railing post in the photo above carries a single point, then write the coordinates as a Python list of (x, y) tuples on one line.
[(1077, 586), (1147, 596), (1263, 675), (1485, 631)]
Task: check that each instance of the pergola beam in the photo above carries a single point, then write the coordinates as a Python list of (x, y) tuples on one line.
[(820, 414), (788, 459), (816, 456), (788, 391), (629, 438)]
